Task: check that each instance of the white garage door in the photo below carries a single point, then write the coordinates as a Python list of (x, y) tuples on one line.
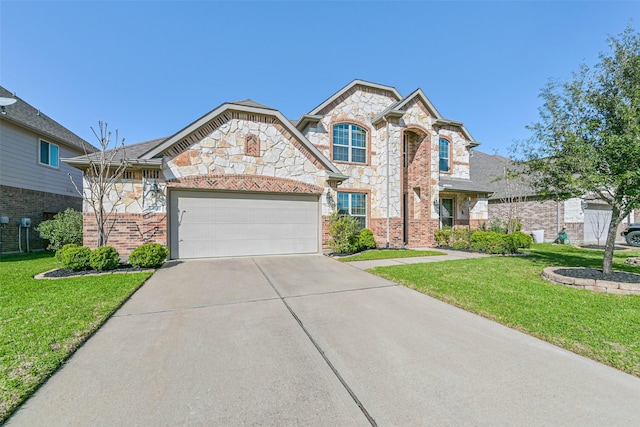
[(596, 223), (216, 224)]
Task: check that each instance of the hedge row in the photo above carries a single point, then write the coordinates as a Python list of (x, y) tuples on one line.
[(78, 258), (491, 242)]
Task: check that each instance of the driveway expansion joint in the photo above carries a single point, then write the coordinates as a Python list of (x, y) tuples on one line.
[(355, 398), (196, 307)]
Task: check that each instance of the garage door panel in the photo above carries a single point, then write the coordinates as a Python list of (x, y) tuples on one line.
[(210, 224)]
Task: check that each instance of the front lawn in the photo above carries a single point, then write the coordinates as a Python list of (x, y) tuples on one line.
[(42, 322), (388, 254), (509, 290)]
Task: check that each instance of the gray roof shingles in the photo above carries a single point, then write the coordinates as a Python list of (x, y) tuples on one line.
[(25, 115)]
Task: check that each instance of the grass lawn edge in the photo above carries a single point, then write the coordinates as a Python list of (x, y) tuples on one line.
[(93, 329)]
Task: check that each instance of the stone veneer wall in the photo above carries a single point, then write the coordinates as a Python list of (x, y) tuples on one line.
[(17, 203), (128, 231)]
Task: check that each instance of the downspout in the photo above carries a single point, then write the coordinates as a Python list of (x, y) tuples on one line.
[(388, 185)]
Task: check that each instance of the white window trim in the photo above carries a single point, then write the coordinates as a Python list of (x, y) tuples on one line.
[(350, 145), (448, 158), (350, 207), (50, 144)]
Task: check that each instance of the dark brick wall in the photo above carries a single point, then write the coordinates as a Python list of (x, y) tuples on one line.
[(17, 203)]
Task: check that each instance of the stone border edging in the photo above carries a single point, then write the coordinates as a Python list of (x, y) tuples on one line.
[(619, 288)]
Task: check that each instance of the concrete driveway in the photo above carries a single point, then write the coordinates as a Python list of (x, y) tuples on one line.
[(306, 340)]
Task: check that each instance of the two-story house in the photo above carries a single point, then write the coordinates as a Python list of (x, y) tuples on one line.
[(34, 183), (244, 180)]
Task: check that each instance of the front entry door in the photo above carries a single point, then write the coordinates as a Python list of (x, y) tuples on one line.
[(446, 212)]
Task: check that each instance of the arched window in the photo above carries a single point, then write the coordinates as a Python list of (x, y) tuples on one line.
[(445, 160), (349, 143)]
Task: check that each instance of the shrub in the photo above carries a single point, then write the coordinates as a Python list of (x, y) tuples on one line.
[(497, 226), (461, 245), (64, 228), (104, 258), (366, 240), (443, 236), (461, 235), (76, 258), (520, 240), (490, 242), (344, 231), (61, 251), (148, 255)]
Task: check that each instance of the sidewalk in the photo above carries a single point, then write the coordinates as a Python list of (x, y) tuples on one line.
[(450, 255)]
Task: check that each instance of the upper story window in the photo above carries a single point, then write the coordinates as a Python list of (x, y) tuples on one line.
[(49, 154), (349, 143), (445, 155)]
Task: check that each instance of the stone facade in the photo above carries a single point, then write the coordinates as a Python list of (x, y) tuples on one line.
[(256, 150), (17, 203)]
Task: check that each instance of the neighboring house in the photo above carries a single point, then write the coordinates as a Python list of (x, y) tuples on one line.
[(244, 180), (34, 183), (586, 220)]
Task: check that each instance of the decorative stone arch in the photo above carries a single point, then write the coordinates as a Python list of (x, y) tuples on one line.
[(422, 136)]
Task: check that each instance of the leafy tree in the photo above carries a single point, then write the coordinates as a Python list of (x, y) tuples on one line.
[(103, 171), (587, 141)]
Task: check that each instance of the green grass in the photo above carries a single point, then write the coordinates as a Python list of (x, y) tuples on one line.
[(509, 290), (42, 322), (389, 253)]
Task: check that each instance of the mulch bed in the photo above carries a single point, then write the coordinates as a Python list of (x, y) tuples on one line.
[(595, 274), (61, 273)]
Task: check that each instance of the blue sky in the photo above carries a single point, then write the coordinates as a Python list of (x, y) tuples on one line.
[(149, 68)]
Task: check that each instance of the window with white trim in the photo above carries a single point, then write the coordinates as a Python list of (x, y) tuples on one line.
[(49, 154), (445, 160), (349, 143), (355, 205)]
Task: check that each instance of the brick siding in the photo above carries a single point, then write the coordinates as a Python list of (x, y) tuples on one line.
[(17, 203), (257, 183), (128, 231)]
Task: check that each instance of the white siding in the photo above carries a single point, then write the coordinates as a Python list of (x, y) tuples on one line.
[(19, 166)]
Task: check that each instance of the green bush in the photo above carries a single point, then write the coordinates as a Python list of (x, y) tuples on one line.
[(461, 235), (366, 240), (497, 226), (443, 236), (61, 251), (461, 245), (148, 255), (520, 240), (491, 242), (344, 231), (104, 258), (76, 258), (64, 228)]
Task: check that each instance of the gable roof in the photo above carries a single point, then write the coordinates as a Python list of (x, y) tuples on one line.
[(356, 82), (249, 107), (24, 115)]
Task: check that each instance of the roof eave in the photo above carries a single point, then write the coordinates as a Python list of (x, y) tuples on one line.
[(307, 119), (391, 114)]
